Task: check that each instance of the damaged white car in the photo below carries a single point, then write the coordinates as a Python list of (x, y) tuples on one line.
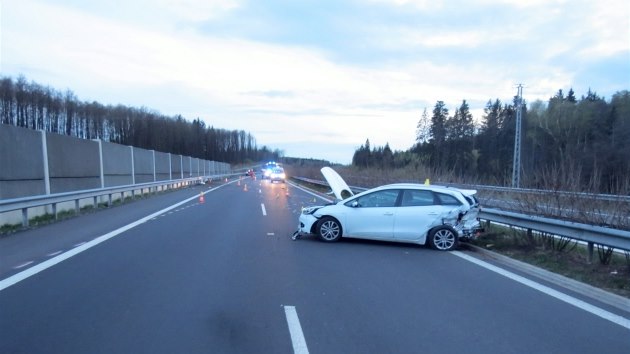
[(415, 213)]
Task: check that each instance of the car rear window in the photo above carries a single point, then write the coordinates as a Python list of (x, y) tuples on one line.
[(471, 199), (447, 199)]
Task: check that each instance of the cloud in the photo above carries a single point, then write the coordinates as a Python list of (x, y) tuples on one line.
[(196, 10), (285, 91)]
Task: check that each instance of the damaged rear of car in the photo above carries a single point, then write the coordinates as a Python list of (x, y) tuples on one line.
[(414, 213)]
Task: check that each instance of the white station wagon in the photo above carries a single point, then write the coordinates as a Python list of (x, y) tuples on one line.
[(414, 213)]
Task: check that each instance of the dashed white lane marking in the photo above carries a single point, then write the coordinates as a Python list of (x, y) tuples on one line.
[(621, 321), (53, 254), (311, 193), (23, 265), (270, 234), (27, 273), (79, 244), (264, 211), (295, 329)]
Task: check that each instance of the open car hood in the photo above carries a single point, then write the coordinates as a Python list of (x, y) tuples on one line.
[(336, 183)]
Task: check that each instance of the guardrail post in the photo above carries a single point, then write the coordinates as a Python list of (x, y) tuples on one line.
[(100, 156), (76, 207), (589, 255), (25, 217), (45, 160), (133, 168), (154, 176), (54, 210)]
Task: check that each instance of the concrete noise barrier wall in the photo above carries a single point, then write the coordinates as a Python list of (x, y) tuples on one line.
[(22, 171), (38, 163), (176, 166), (117, 165), (162, 166), (143, 165), (74, 164)]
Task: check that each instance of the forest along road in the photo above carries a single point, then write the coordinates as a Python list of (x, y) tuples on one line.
[(170, 274)]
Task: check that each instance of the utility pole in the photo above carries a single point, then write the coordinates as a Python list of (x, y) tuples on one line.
[(516, 167)]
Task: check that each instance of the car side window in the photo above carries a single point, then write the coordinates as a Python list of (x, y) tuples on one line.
[(416, 197), (379, 199), (447, 199)]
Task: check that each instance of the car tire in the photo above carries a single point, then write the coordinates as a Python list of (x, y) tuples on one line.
[(329, 229), (443, 238)]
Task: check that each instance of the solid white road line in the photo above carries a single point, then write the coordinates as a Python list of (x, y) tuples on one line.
[(619, 320), (16, 278), (311, 193), (264, 211), (295, 329)]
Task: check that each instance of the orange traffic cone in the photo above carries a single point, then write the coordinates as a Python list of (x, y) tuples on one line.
[(201, 198), (245, 188)]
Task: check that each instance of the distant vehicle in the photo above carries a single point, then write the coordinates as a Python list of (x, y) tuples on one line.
[(267, 168), (277, 174), (405, 212)]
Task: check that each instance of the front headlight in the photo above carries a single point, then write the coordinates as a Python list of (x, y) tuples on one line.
[(310, 210)]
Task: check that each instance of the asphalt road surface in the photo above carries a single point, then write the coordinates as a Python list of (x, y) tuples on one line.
[(170, 274)]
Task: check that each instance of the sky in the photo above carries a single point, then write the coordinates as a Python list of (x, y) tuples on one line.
[(316, 79)]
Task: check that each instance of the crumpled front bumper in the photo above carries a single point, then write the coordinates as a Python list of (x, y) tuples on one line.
[(306, 223)]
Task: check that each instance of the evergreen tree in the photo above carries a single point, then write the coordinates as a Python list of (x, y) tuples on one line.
[(438, 134), (423, 128)]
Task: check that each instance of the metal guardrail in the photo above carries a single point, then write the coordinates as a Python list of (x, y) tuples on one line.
[(614, 238), (590, 196), (324, 184), (26, 203), (582, 232)]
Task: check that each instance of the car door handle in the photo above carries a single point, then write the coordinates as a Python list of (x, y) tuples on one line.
[(432, 214), (388, 214)]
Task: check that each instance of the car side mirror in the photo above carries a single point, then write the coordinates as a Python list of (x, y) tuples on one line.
[(355, 204)]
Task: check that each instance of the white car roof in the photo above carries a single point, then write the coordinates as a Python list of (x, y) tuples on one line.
[(433, 187), (338, 186)]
